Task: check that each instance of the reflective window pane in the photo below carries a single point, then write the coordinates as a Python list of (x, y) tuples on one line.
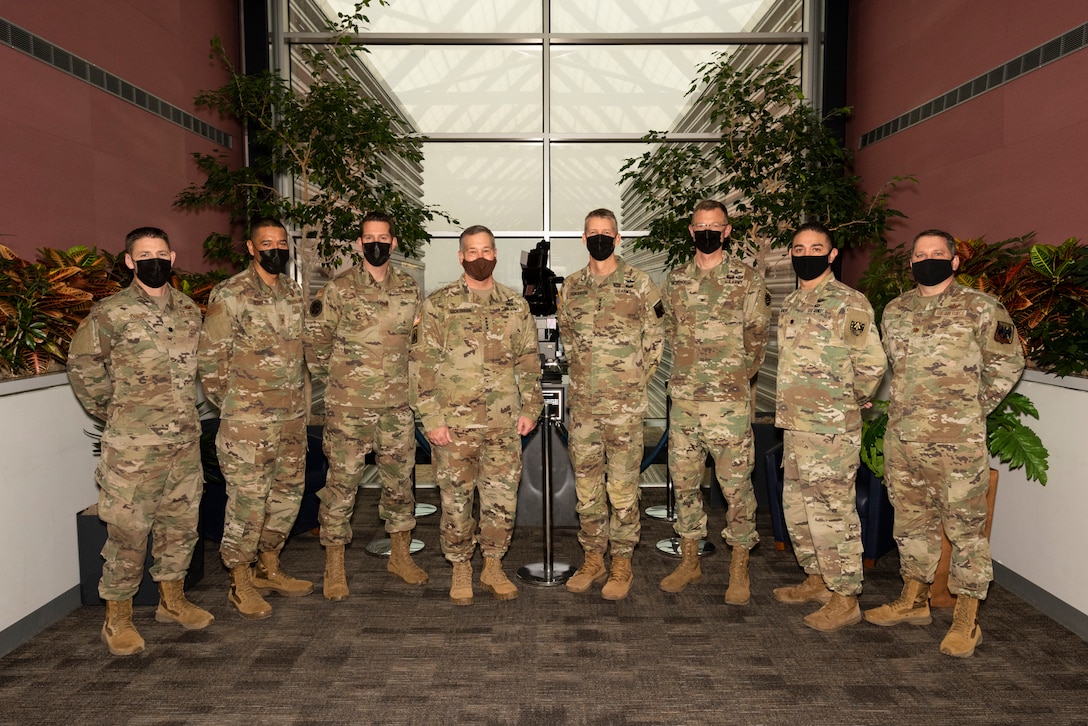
[(464, 89), (448, 16), (621, 89), (584, 177), (658, 16), (497, 185)]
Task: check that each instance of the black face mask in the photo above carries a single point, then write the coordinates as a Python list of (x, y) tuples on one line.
[(931, 272), (377, 253), (708, 241), (600, 246), (274, 261), (809, 267), (154, 272)]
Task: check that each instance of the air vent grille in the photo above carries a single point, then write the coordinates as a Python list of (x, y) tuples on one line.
[(1034, 59), (43, 50)]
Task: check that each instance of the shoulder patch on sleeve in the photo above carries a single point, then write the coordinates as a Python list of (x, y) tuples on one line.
[(659, 309), (315, 308), (767, 298), (857, 325), (1003, 333)]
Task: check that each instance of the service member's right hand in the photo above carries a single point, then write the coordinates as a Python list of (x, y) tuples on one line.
[(439, 436)]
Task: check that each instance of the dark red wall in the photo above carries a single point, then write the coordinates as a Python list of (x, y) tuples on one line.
[(81, 166), (1005, 163)]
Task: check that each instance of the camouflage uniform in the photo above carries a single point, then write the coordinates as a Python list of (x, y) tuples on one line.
[(611, 330), (358, 335), (716, 322), (252, 369), (954, 357), (477, 371), (132, 363), (830, 362)]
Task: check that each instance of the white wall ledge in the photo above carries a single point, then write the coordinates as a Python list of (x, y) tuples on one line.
[(1075, 383)]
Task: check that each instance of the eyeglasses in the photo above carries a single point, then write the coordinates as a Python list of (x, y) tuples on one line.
[(703, 227), (384, 239)]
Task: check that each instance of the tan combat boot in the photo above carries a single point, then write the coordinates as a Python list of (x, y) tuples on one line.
[(495, 581), (812, 589), (268, 577), (461, 587), (118, 632), (689, 572), (965, 632), (400, 559), (912, 607), (619, 579), (174, 607), (739, 591), (336, 582), (840, 611), (589, 574), (244, 598)]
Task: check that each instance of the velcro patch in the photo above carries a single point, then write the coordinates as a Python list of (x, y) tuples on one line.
[(659, 309), (767, 299), (856, 325), (1003, 333), (315, 308)]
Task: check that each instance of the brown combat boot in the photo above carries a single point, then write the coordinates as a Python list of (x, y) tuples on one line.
[(812, 589), (589, 574), (619, 579), (840, 611), (461, 587), (335, 586), (268, 577), (118, 632), (244, 598), (965, 632), (739, 591), (400, 559), (689, 572), (495, 581), (174, 607), (912, 607)]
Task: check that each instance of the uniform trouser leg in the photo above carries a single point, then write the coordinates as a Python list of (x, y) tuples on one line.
[(396, 457), (820, 504), (935, 486), (488, 460), (607, 510), (146, 490), (687, 461), (726, 432), (264, 465)]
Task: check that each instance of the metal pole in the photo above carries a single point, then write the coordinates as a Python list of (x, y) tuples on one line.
[(548, 572)]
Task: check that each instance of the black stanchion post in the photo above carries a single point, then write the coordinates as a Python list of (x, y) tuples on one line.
[(548, 572)]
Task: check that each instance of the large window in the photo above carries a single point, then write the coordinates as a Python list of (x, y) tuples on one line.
[(530, 107)]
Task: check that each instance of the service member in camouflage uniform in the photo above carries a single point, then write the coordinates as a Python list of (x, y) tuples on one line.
[(717, 314), (610, 324), (475, 383), (830, 363), (954, 354), (358, 334), (252, 369), (132, 363)]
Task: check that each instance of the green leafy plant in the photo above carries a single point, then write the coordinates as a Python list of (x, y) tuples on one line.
[(42, 302), (329, 140), (774, 150), (1008, 438)]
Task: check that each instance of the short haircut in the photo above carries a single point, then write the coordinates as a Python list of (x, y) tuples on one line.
[(261, 222), (948, 239), (819, 228), (475, 229), (602, 214), (709, 205), (378, 217), (141, 233)]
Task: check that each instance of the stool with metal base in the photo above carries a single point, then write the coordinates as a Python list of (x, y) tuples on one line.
[(546, 573), (382, 547)]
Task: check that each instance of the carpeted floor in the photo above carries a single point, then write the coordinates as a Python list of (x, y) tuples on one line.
[(394, 654)]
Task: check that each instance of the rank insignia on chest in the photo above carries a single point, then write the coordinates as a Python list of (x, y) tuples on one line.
[(1003, 333), (315, 308)]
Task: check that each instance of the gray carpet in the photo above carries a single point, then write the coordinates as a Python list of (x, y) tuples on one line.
[(394, 654)]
